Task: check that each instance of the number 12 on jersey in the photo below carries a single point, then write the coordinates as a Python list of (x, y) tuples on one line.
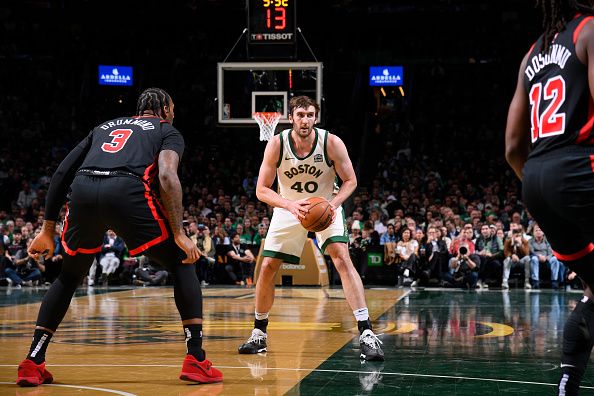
[(550, 122)]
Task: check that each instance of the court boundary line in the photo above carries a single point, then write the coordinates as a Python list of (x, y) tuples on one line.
[(117, 392), (318, 370)]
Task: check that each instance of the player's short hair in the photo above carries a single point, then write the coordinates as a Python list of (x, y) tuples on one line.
[(153, 99), (304, 102)]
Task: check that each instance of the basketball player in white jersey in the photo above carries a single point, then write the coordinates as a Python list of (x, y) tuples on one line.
[(307, 161)]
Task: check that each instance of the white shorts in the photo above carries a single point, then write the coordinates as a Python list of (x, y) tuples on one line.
[(286, 236)]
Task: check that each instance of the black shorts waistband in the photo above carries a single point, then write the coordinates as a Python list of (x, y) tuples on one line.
[(563, 151), (106, 173)]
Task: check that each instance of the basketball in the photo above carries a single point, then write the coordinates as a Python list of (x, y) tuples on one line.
[(319, 216)]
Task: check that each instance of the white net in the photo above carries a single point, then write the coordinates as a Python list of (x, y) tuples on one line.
[(267, 121)]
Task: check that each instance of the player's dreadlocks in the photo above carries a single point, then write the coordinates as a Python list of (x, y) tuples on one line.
[(153, 99), (556, 14)]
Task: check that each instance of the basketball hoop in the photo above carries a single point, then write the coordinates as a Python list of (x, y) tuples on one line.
[(267, 121)]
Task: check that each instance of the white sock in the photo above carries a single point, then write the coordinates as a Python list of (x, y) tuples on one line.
[(361, 314), (261, 316)]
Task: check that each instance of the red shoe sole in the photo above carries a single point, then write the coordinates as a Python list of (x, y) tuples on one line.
[(28, 381), (33, 381), (199, 378)]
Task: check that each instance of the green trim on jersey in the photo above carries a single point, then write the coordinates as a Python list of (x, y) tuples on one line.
[(288, 258), (336, 189), (328, 162), (280, 156), (334, 239), (344, 223), (338, 238), (313, 147)]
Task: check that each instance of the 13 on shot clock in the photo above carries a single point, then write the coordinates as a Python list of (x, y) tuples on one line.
[(271, 21)]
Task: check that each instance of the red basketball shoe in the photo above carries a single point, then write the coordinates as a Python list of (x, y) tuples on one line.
[(31, 374), (202, 372)]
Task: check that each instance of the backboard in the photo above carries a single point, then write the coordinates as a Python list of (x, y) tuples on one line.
[(247, 87)]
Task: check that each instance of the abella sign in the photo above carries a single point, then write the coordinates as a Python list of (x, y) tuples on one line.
[(385, 75), (115, 75)]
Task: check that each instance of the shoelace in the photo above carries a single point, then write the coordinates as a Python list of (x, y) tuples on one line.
[(256, 338), (371, 340)]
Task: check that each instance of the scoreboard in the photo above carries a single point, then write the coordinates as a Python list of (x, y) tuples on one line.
[(271, 21)]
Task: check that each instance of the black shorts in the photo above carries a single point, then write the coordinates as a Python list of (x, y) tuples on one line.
[(558, 191), (121, 203)]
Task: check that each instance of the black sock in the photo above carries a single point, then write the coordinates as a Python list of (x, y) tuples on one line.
[(577, 346), (363, 325), (194, 341), (261, 324), (41, 339)]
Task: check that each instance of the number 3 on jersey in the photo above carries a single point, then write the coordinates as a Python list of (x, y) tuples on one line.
[(551, 122), (120, 137)]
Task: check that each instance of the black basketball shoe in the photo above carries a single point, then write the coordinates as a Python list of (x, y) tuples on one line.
[(370, 346), (255, 344)]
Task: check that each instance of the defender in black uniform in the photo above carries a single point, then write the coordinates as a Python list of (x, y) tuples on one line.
[(550, 146), (122, 176)]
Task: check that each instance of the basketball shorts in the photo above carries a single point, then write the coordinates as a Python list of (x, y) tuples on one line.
[(286, 236), (558, 191), (123, 204)]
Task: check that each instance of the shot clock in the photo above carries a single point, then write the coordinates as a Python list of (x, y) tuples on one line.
[(271, 21)]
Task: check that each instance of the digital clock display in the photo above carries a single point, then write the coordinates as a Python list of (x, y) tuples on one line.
[(271, 21)]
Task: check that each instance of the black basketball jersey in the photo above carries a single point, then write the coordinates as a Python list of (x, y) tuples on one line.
[(561, 107), (130, 144)]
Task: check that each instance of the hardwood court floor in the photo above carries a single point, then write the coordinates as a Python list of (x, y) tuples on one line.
[(437, 342)]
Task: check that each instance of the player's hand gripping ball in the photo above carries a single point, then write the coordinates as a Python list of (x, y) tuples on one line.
[(320, 214)]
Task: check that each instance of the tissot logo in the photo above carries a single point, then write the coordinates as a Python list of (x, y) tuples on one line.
[(272, 36)]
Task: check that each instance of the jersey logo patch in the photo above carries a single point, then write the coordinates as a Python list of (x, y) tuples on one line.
[(318, 158)]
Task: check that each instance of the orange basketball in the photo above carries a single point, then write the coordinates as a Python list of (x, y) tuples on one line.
[(319, 216)]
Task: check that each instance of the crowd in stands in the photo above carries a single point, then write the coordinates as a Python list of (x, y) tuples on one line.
[(435, 183), (434, 225)]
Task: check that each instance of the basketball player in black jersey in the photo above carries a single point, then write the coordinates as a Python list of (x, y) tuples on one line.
[(122, 176), (550, 146)]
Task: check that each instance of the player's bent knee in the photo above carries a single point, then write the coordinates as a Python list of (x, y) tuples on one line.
[(270, 266)]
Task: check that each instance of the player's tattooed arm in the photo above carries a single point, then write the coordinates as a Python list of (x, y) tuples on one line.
[(170, 189), (171, 195)]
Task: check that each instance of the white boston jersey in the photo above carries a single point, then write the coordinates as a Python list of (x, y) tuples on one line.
[(309, 176)]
